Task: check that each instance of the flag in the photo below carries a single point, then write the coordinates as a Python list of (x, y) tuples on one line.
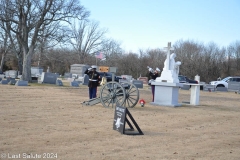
[(99, 55)]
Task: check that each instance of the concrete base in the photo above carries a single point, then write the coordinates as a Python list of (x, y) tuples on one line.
[(195, 94), (166, 94)]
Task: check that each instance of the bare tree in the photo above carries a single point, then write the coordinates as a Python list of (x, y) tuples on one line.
[(28, 18), (87, 38)]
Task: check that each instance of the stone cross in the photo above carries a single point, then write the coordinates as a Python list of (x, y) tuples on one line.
[(169, 48)]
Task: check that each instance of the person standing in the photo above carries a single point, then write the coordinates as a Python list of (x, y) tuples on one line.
[(153, 75), (94, 79)]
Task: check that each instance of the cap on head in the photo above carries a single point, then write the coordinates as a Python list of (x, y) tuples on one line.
[(157, 69), (94, 67)]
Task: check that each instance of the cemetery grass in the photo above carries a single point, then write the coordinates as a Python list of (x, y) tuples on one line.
[(39, 119)]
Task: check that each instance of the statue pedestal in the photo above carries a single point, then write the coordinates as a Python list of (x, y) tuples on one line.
[(166, 94)]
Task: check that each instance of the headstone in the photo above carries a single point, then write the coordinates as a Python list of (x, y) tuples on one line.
[(4, 81), (59, 82), (48, 77), (70, 79), (127, 77), (123, 81), (79, 69), (222, 89), (12, 82), (209, 87), (67, 75), (144, 79), (85, 79), (74, 84), (36, 71), (121, 116), (138, 83), (11, 73), (21, 83), (10, 79), (48, 69), (2, 76), (185, 87)]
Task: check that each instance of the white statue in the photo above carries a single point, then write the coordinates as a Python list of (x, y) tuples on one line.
[(174, 65)]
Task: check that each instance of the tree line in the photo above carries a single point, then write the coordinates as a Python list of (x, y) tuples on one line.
[(59, 33)]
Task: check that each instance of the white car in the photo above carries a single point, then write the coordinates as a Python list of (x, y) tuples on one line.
[(221, 83)]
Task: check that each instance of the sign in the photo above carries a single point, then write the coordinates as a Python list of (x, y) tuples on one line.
[(103, 69), (121, 116)]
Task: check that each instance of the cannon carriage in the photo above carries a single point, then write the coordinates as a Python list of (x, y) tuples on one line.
[(114, 94)]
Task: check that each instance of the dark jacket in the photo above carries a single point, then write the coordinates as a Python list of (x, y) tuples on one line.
[(153, 75), (94, 78)]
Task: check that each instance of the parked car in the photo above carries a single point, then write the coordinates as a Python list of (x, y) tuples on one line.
[(185, 79), (221, 83), (234, 84), (108, 75)]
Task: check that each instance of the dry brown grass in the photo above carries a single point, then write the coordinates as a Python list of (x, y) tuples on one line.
[(41, 119)]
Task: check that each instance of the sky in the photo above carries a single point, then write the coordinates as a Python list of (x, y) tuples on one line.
[(151, 24)]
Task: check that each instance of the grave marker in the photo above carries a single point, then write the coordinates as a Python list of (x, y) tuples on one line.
[(74, 84), (144, 79), (59, 82), (12, 82), (21, 83), (138, 83), (85, 79), (48, 77), (4, 81)]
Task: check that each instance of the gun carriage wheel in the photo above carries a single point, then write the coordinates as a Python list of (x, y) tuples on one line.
[(132, 94), (122, 94), (112, 94)]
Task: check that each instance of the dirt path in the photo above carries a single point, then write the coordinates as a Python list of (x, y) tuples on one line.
[(36, 120)]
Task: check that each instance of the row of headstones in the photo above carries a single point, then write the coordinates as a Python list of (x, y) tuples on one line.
[(12, 81)]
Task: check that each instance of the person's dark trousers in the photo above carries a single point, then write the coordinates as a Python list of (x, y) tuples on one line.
[(92, 92), (153, 91)]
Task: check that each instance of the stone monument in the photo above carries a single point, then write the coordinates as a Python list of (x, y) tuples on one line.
[(167, 86), (171, 68)]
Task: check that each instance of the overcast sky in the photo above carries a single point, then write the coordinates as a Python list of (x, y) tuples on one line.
[(150, 24)]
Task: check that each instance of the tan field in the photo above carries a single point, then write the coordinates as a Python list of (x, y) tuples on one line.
[(49, 122)]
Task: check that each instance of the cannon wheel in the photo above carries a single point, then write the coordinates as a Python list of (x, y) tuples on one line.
[(132, 94), (112, 94)]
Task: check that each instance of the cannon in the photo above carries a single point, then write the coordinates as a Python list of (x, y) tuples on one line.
[(114, 94)]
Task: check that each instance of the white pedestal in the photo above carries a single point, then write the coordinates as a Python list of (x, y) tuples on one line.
[(195, 93), (166, 94)]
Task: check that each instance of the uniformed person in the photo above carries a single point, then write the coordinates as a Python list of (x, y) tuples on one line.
[(94, 79), (153, 75)]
